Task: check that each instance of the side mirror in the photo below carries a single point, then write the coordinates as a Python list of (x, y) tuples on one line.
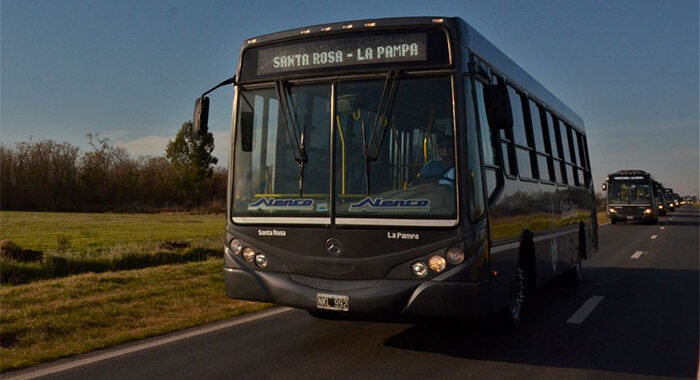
[(200, 120), (498, 108), (605, 186), (246, 135)]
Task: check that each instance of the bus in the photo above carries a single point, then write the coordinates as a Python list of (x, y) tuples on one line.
[(669, 199), (658, 189), (399, 169), (631, 197)]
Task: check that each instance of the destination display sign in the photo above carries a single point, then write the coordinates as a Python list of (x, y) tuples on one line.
[(343, 51), (627, 177)]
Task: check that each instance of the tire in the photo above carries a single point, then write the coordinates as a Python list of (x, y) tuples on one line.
[(574, 275), (613, 221), (510, 317)]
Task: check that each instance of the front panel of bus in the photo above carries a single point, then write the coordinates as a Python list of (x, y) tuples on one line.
[(346, 194), (631, 197)]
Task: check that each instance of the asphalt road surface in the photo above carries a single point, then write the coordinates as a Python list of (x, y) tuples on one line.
[(634, 315)]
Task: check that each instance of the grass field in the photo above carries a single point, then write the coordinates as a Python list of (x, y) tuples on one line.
[(95, 234), (50, 319), (72, 243)]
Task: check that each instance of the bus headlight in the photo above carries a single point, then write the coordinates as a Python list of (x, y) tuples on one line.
[(236, 246), (437, 263), (261, 260), (661, 207), (248, 254), (419, 269), (612, 210), (648, 211), (454, 256)]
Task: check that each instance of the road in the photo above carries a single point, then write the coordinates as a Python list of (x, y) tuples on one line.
[(637, 312)]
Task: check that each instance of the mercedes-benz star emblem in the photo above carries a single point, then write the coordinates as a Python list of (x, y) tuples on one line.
[(333, 246)]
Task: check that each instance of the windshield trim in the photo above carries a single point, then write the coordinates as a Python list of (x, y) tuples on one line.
[(280, 220), (397, 222)]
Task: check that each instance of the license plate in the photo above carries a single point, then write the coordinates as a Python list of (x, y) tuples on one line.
[(630, 217), (332, 302)]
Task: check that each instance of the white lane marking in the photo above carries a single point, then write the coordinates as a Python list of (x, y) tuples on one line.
[(637, 255), (662, 228), (155, 343), (585, 310), (654, 237)]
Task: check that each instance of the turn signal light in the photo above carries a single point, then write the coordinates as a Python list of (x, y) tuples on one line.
[(437, 263), (248, 255)]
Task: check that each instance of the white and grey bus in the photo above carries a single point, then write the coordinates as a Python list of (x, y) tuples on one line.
[(398, 169)]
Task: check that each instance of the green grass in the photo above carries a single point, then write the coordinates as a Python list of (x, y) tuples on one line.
[(99, 233), (51, 319), (74, 243)]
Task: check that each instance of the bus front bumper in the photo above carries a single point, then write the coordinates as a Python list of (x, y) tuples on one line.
[(395, 300)]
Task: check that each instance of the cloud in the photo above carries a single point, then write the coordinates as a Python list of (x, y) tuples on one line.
[(155, 146), (146, 146)]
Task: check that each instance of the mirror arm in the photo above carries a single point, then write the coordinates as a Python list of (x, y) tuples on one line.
[(228, 81)]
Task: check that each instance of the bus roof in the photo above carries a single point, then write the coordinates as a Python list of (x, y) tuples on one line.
[(470, 39), (477, 43)]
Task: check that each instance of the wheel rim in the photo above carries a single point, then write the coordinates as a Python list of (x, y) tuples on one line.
[(517, 295)]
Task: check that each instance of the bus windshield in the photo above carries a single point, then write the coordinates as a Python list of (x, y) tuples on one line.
[(410, 173), (637, 192)]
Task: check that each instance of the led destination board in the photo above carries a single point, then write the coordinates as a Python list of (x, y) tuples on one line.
[(345, 51)]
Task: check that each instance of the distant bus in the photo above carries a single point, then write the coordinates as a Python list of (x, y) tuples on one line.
[(659, 195), (669, 199), (399, 169), (632, 196)]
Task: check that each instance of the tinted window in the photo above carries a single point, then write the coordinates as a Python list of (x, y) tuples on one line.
[(484, 129), (553, 133), (516, 105), (556, 169), (574, 175), (581, 150), (544, 168), (559, 166), (523, 156), (570, 175), (564, 141), (508, 159), (476, 199), (536, 126), (576, 151)]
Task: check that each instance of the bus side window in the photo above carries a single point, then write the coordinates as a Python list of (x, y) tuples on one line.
[(487, 142), (476, 198), (561, 152), (526, 165)]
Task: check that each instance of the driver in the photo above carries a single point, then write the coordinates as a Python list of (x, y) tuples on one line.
[(443, 169)]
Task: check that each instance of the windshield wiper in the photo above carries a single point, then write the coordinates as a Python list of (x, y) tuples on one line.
[(372, 147), (296, 144)]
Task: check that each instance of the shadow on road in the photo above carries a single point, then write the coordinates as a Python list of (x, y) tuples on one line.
[(646, 324)]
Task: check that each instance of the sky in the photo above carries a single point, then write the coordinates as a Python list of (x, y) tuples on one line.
[(130, 70)]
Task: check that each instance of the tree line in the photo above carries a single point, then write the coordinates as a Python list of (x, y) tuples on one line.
[(50, 176)]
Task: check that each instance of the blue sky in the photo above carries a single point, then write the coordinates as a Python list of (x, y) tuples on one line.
[(130, 70)]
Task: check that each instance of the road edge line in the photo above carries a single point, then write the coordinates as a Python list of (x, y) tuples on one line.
[(153, 342)]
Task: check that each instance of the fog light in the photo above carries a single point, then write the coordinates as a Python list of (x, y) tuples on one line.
[(236, 246), (419, 269), (436, 263), (261, 260), (454, 256), (647, 211), (248, 255)]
